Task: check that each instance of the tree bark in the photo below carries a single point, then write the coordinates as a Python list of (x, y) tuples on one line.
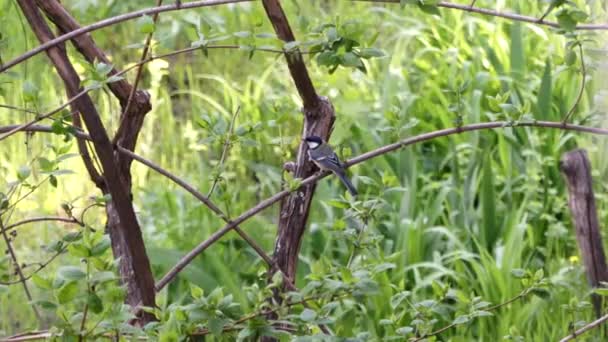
[(318, 120), (124, 228), (576, 168)]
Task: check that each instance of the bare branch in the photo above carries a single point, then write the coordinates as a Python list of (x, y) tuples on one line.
[(186, 259), (43, 116), (18, 269), (582, 88), (111, 21), (584, 329), (125, 112), (227, 143), (505, 15), (40, 219)]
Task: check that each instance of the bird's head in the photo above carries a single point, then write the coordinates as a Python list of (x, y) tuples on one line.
[(313, 141)]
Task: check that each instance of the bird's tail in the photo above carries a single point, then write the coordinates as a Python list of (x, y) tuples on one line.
[(348, 184)]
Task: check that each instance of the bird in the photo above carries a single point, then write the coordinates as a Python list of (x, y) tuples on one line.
[(326, 159)]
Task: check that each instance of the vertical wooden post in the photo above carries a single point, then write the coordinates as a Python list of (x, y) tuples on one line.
[(576, 168)]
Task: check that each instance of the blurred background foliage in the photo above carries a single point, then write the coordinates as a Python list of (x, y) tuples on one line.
[(455, 214)]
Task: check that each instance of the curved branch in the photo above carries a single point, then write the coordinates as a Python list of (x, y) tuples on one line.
[(505, 15), (43, 116), (40, 219), (200, 197), (186, 259), (584, 329), (111, 21), (170, 275), (582, 88)]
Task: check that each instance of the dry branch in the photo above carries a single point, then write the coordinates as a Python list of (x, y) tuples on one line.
[(127, 239), (576, 168), (111, 21), (499, 14), (318, 120)]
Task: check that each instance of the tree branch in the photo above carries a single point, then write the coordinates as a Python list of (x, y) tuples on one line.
[(505, 15), (135, 266), (18, 269), (111, 21), (186, 259), (584, 329)]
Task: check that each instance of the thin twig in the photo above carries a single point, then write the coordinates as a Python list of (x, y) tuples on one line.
[(40, 219), (489, 309), (22, 279), (227, 143), (584, 329), (505, 15), (582, 88), (43, 116), (138, 74), (195, 4), (40, 267), (200, 197), (111, 21), (264, 204)]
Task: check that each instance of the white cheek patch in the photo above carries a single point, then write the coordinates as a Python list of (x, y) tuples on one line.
[(313, 144)]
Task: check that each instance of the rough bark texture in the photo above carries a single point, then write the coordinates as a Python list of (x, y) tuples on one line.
[(318, 120), (577, 171), (124, 230)]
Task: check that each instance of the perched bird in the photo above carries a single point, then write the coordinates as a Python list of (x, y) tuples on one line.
[(326, 159)]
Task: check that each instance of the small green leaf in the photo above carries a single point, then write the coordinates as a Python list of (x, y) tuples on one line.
[(145, 24), (404, 330), (67, 292), (71, 273), (216, 325), (461, 319), (371, 52), (242, 34), (23, 172), (518, 273), (102, 246), (95, 303), (41, 282), (307, 315)]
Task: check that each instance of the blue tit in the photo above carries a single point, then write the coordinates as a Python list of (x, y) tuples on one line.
[(326, 159)]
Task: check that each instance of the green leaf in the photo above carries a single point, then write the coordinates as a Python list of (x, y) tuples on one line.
[(53, 180), (349, 59), (216, 325), (23, 172), (196, 292), (102, 246), (371, 53), (430, 9), (517, 56), (30, 91), (145, 24), (565, 19), (601, 291), (79, 250), (461, 319), (67, 292), (404, 330), (45, 304), (41, 282), (71, 273), (308, 315), (489, 225), (518, 273), (543, 101), (103, 277), (95, 303), (242, 34)]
